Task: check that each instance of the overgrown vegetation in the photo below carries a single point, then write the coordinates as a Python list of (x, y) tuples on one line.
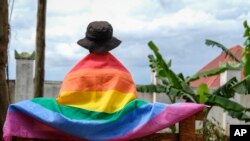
[(176, 86), (213, 130)]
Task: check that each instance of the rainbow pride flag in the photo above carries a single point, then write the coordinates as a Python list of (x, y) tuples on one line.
[(97, 101)]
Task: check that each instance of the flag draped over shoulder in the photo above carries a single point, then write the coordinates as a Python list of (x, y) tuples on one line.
[(97, 101)]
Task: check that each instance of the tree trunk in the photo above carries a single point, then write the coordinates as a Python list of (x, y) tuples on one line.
[(40, 48), (4, 40)]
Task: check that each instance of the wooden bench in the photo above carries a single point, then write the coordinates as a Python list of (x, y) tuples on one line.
[(187, 132)]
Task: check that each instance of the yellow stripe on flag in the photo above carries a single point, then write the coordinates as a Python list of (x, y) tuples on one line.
[(100, 101)]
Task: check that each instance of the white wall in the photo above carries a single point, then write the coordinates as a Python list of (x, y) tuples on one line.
[(24, 79)]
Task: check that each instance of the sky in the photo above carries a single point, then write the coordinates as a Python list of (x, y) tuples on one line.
[(178, 27)]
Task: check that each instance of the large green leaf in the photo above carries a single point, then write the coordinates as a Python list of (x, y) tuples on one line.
[(162, 67), (151, 88), (165, 74), (155, 68), (172, 92), (189, 98), (226, 90), (202, 90), (246, 53), (213, 72), (239, 115), (245, 24), (152, 62), (228, 52), (225, 103), (205, 74), (242, 87), (233, 108), (246, 33), (247, 29), (181, 76), (186, 88)]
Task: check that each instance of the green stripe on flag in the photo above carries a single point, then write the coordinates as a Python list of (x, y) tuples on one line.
[(77, 113)]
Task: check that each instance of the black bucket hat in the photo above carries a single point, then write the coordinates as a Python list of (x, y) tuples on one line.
[(99, 37)]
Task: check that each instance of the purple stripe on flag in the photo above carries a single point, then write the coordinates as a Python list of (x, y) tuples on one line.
[(20, 125), (173, 114)]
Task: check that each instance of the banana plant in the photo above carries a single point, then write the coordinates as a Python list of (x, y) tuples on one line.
[(246, 53), (245, 58), (176, 86)]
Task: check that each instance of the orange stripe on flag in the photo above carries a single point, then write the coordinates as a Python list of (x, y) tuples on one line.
[(99, 80)]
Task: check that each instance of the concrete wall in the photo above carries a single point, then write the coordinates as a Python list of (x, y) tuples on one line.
[(51, 89), (24, 79), (22, 87)]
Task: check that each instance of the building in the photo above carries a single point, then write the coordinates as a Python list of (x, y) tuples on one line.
[(213, 82)]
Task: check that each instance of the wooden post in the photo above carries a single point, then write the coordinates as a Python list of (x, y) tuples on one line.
[(4, 40), (40, 48)]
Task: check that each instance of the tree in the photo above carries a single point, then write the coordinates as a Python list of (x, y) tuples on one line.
[(40, 48), (4, 40)]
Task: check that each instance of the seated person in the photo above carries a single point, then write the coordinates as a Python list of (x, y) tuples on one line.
[(97, 101)]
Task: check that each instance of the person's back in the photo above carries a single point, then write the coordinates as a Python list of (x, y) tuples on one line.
[(100, 83), (97, 101)]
